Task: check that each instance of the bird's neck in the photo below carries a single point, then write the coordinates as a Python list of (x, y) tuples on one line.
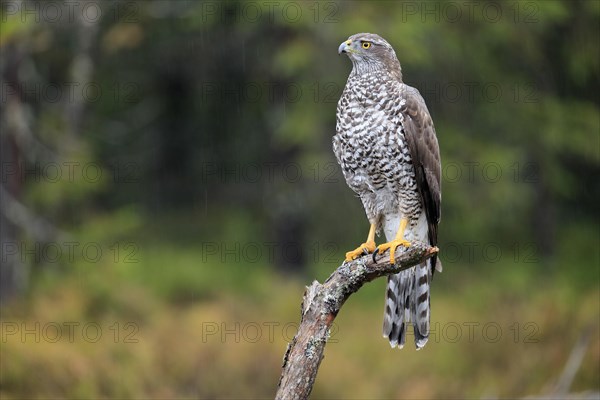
[(376, 69)]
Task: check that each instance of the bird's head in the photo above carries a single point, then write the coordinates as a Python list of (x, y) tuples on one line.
[(369, 51)]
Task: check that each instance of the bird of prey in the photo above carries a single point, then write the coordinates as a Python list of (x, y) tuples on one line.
[(385, 143)]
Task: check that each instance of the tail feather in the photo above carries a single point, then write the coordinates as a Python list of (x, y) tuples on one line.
[(421, 305), (407, 300), (407, 294)]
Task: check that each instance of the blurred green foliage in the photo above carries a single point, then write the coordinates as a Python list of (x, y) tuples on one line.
[(219, 197)]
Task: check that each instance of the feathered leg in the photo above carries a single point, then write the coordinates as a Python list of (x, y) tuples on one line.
[(398, 241)]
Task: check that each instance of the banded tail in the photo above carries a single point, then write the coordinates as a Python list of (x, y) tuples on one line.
[(407, 300), (407, 294)]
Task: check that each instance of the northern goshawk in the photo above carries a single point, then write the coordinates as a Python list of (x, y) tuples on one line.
[(386, 145)]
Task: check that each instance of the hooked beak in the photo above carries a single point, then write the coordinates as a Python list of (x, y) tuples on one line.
[(345, 47)]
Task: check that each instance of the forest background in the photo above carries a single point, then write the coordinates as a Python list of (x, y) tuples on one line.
[(168, 188)]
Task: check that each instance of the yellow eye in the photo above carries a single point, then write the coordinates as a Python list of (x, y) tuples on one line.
[(366, 45)]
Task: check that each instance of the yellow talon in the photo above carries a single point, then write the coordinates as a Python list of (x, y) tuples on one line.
[(368, 246), (392, 246), (398, 241)]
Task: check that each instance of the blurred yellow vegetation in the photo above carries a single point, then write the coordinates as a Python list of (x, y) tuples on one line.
[(509, 340)]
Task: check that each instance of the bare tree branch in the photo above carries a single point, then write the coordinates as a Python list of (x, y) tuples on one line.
[(573, 363), (320, 306)]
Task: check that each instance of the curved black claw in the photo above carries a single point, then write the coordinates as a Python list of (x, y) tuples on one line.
[(375, 253)]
